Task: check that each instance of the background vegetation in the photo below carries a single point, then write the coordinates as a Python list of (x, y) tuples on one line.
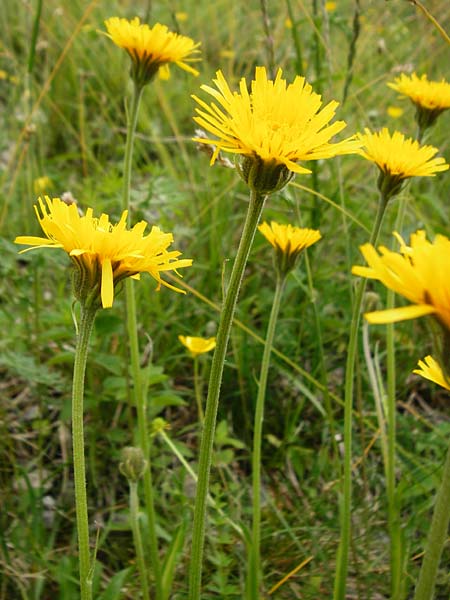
[(63, 117)]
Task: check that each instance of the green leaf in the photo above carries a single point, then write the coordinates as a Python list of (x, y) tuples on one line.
[(114, 589)]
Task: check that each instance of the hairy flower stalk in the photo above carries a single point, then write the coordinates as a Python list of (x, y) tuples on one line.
[(103, 255), (397, 159), (288, 243), (270, 128)]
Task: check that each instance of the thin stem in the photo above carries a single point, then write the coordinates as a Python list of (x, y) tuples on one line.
[(137, 391), (129, 144), (191, 472), (255, 552), (255, 207), (295, 39), (269, 37), (137, 539), (437, 537), (396, 554), (198, 392), (346, 507), (79, 369), (432, 20)]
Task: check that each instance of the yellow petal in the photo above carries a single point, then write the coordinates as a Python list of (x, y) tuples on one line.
[(399, 314), (107, 291)]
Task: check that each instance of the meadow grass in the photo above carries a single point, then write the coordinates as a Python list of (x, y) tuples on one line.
[(64, 117)]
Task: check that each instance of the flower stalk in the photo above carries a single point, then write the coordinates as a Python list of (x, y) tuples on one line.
[(255, 208), (137, 391), (84, 333), (346, 506), (137, 539), (254, 568)]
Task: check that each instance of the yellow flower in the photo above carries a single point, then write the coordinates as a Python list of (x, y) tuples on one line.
[(330, 6), (198, 345), (103, 253), (419, 272), (430, 97), (395, 111), (273, 126), (288, 242), (398, 158), (151, 47), (430, 369), (42, 184)]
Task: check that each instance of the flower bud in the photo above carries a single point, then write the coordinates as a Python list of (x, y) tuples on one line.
[(133, 463)]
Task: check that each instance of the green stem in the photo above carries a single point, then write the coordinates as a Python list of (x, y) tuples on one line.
[(346, 506), (85, 328), (138, 396), (129, 144), (191, 472), (137, 539), (437, 537), (255, 207), (198, 392), (255, 553), (394, 524)]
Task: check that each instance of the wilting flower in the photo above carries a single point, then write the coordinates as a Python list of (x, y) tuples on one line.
[(151, 48), (431, 98), (197, 345), (288, 242), (103, 254), (420, 273), (398, 158), (431, 369), (273, 127)]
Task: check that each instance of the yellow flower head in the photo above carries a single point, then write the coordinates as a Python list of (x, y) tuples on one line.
[(152, 47), (288, 242), (272, 126), (103, 253), (431, 369), (398, 158), (197, 345), (419, 272), (430, 97)]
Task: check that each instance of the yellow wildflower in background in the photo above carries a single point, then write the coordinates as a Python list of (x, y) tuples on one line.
[(103, 253), (430, 369), (152, 47), (41, 185), (288, 242), (431, 98), (419, 272), (198, 345), (398, 158), (395, 111), (330, 6), (273, 127)]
